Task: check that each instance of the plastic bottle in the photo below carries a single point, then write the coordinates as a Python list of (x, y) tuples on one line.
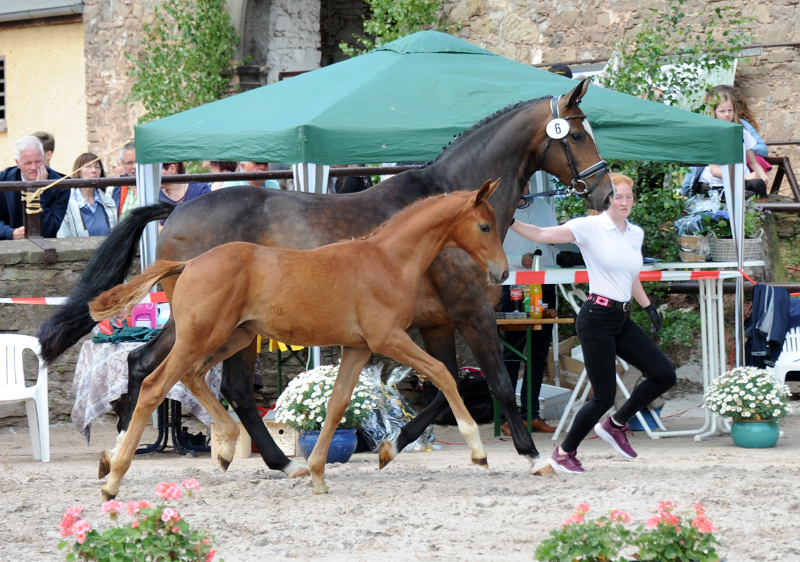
[(536, 301), (526, 298), (516, 298)]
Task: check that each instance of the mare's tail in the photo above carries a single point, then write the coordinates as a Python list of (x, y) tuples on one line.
[(107, 267), (112, 302)]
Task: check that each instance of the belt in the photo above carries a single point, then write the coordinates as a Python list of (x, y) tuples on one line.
[(603, 301)]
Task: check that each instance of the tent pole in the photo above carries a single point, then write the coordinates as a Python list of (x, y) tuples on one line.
[(148, 188), (733, 180)]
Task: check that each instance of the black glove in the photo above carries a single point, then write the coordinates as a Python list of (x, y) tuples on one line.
[(655, 318)]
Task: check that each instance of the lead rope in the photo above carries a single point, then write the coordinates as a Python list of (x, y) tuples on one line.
[(33, 204)]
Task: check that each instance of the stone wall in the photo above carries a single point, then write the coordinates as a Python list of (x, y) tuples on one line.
[(547, 31), (23, 273)]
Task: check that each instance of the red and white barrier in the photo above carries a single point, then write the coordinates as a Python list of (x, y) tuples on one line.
[(151, 297), (560, 276)]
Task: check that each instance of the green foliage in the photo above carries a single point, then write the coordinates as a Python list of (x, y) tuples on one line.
[(670, 538), (708, 40), (680, 328), (156, 533), (184, 53), (592, 540), (390, 20), (673, 538), (719, 222)]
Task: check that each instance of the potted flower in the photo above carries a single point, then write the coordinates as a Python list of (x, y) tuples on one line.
[(718, 226), (672, 538), (754, 401), (303, 406), (587, 540), (156, 532)]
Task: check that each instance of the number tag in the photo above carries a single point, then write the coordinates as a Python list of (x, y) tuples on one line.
[(557, 128)]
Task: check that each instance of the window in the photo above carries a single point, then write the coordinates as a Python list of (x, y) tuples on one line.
[(2, 93)]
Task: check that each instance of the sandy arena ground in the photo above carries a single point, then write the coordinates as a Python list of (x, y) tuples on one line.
[(423, 506)]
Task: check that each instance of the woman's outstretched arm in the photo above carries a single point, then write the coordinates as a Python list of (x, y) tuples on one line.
[(550, 235)]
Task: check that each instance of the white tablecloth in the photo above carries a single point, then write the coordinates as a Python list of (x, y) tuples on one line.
[(101, 377)]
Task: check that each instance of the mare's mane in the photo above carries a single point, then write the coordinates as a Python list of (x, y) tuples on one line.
[(485, 121)]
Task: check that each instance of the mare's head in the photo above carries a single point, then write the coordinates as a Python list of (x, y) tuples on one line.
[(475, 231), (565, 148)]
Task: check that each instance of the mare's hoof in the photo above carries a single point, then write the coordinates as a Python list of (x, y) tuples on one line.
[(386, 453), (321, 489), (223, 462), (481, 462), (105, 465), (108, 496), (299, 471), (542, 468)]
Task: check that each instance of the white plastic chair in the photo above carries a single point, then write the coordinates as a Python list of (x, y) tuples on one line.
[(576, 297), (13, 389), (789, 359)]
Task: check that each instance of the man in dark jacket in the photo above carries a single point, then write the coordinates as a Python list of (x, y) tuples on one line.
[(30, 167)]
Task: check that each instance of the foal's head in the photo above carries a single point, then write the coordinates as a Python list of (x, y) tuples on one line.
[(475, 231)]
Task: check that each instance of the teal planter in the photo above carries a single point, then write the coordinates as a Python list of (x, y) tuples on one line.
[(343, 444), (755, 435)]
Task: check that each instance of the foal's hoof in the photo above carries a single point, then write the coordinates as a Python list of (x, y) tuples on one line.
[(386, 453), (108, 496), (105, 465), (320, 489), (223, 462), (481, 462), (542, 468)]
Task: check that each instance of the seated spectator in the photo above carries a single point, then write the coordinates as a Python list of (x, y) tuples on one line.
[(722, 105), (30, 167), (220, 168), (177, 193), (746, 118), (125, 196), (90, 211), (259, 167), (350, 184)]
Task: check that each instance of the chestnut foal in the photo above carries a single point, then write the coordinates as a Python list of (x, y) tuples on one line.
[(360, 294)]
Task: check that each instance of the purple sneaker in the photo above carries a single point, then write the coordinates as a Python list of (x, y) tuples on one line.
[(565, 462), (615, 437)]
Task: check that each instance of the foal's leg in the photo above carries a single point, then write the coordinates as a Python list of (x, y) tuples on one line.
[(237, 388), (353, 360), (141, 362), (440, 343), (154, 390), (400, 347)]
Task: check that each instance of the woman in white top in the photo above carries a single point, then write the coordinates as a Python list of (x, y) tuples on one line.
[(723, 106), (612, 249)]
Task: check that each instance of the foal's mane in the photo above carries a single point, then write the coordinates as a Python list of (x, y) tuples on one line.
[(485, 121), (409, 209)]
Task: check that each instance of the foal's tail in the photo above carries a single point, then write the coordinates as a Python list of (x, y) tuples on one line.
[(112, 302), (107, 267)]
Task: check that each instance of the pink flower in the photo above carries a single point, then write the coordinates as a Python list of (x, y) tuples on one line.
[(667, 506), (135, 507), (168, 491), (582, 508), (71, 516), (135, 524), (170, 514), (191, 484), (81, 528), (599, 523), (620, 516), (210, 555), (653, 521), (112, 507), (699, 509), (703, 524)]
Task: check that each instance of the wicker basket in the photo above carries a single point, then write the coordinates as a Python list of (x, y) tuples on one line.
[(722, 249), (693, 248)]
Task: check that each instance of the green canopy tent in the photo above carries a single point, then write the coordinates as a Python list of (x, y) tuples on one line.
[(403, 102)]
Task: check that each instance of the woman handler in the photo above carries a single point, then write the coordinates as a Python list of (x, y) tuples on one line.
[(612, 249)]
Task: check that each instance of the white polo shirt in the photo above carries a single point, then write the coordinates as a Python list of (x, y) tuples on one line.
[(613, 258)]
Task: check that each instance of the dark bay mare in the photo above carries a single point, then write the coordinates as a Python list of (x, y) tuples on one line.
[(511, 145)]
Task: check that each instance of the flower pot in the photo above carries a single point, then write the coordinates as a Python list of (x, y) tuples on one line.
[(755, 434), (343, 444)]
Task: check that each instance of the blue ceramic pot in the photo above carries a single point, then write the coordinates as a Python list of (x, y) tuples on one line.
[(755, 435), (343, 444)]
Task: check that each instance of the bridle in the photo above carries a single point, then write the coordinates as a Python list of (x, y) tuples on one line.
[(599, 169)]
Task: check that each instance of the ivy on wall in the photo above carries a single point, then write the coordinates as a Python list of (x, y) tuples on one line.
[(390, 20), (184, 53)]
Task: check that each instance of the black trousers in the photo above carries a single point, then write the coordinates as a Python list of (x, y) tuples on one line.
[(606, 333)]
